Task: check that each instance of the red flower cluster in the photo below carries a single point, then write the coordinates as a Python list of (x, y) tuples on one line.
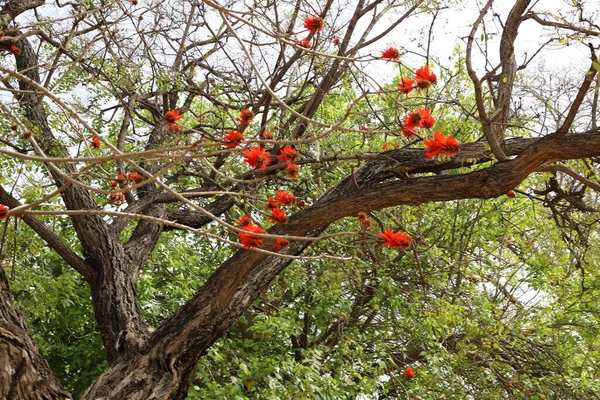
[(14, 50), (425, 78), (441, 144), (120, 179), (406, 85), (246, 117), (409, 373), (336, 41), (271, 204), (171, 117), (247, 239), (292, 170), (417, 119), (95, 142), (257, 157), (398, 240), (123, 179), (510, 194), (303, 43), (364, 128), (3, 212), (233, 138), (135, 177), (314, 24), (391, 54), (287, 153), (117, 198), (284, 198), (267, 135), (278, 216), (281, 243)]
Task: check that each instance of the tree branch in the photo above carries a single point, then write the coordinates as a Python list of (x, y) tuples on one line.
[(52, 239)]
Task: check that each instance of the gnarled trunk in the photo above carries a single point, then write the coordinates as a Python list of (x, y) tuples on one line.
[(24, 374)]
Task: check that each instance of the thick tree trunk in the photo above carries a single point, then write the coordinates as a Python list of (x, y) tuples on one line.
[(153, 366), (119, 319)]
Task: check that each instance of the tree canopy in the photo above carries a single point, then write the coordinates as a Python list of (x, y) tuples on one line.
[(344, 199)]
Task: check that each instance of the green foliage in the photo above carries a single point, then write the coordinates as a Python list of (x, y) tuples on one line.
[(496, 299), (56, 303)]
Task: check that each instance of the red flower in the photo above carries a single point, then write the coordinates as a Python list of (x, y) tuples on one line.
[(292, 170), (95, 142), (385, 146), (409, 373), (441, 144), (271, 203), (117, 198), (278, 216), (113, 184), (3, 212), (427, 120), (280, 244), (170, 117), (257, 157), (121, 178), (425, 78), (233, 138), (364, 128), (135, 177), (267, 135), (284, 198), (336, 41), (391, 54), (287, 153), (303, 43), (406, 85), (14, 50), (243, 221), (314, 24), (510, 194), (418, 119), (248, 240), (411, 121), (398, 240), (246, 117), (408, 131)]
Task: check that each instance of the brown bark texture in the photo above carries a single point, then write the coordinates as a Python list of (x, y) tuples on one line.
[(147, 363)]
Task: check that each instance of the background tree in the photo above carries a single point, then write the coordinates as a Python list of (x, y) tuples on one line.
[(170, 135)]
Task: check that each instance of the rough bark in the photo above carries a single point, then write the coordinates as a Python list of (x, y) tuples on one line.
[(146, 365), (26, 375), (111, 270), (176, 346)]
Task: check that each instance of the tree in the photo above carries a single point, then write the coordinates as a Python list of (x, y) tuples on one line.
[(138, 120)]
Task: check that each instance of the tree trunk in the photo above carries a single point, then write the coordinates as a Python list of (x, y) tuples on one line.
[(24, 374)]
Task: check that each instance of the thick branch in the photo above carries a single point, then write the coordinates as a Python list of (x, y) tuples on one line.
[(13, 8), (240, 280), (52, 239)]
